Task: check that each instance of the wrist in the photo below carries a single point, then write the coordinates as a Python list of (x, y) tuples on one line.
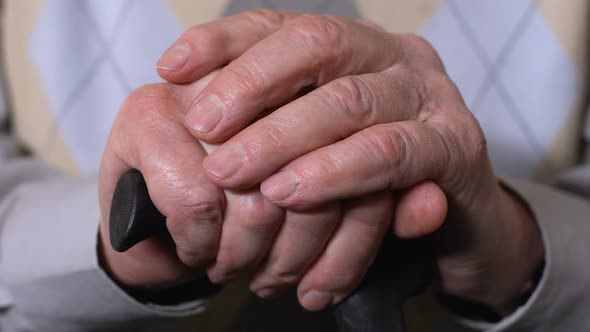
[(517, 270), (505, 265)]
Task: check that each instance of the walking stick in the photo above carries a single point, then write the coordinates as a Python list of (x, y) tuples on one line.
[(401, 268)]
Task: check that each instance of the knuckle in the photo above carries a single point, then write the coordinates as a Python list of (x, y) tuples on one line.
[(257, 215), (246, 79), (210, 41), (327, 163), (272, 135), (276, 131), (413, 90), (353, 97), (422, 51), (196, 256), (145, 102), (437, 95), (205, 210), (462, 132), (418, 43), (444, 86), (471, 132), (149, 109), (314, 30), (194, 206), (390, 147), (463, 145), (282, 275), (323, 164), (195, 252), (447, 154)]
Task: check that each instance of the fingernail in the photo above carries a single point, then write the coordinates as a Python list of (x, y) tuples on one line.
[(316, 300), (266, 293), (175, 57), (206, 114), (280, 186), (226, 161)]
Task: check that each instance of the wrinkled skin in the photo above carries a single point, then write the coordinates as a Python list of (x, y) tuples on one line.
[(305, 193)]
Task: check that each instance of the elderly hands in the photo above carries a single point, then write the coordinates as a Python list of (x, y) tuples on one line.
[(367, 131)]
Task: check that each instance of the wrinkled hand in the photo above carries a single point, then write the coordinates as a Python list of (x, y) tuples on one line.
[(382, 116), (148, 135), (234, 232)]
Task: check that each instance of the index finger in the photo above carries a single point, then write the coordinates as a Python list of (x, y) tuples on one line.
[(205, 47), (309, 50)]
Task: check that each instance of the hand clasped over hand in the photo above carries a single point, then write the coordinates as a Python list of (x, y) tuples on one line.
[(383, 138)]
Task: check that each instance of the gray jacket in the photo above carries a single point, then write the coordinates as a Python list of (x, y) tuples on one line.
[(50, 279)]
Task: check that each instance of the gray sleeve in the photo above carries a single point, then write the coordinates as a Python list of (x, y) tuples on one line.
[(50, 279), (562, 298)]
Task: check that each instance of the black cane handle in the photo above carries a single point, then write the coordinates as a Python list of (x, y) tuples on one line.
[(401, 269), (133, 217)]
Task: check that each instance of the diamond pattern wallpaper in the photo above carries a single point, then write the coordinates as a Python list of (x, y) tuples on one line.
[(515, 61), (513, 74), (90, 55)]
